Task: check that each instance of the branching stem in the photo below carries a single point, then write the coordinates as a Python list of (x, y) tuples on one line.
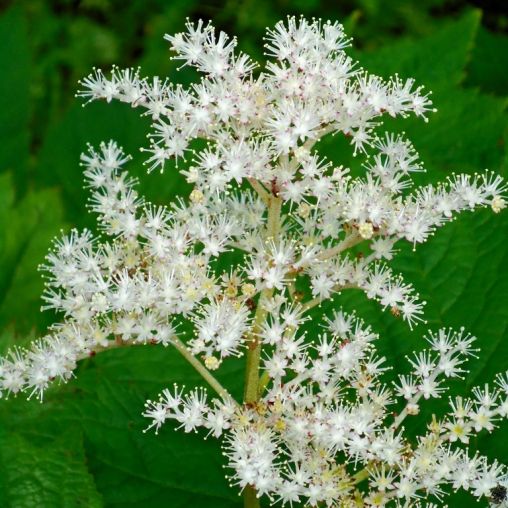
[(259, 188), (351, 240), (251, 392), (201, 369)]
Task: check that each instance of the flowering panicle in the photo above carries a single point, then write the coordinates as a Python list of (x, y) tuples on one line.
[(318, 424)]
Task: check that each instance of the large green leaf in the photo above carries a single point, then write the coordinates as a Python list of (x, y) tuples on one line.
[(465, 135), (26, 230), (14, 93), (67, 139), (49, 473), (487, 69), (132, 469), (437, 60)]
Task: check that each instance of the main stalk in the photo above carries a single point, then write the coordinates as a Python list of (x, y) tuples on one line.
[(251, 391)]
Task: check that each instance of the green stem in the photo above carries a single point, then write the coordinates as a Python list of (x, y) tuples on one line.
[(250, 499), (252, 388), (310, 304), (251, 393), (262, 192), (205, 373), (348, 242), (273, 223), (360, 476)]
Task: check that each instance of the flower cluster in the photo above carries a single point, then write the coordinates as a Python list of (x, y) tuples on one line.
[(318, 424), (335, 404)]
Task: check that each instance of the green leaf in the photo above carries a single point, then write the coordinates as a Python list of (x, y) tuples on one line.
[(14, 93), (67, 140), (26, 230), (465, 135), (438, 59), (49, 474), (134, 469), (487, 69)]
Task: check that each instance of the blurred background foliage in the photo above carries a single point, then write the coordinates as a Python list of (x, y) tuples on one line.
[(84, 446)]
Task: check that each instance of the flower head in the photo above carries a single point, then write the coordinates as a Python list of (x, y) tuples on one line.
[(318, 416)]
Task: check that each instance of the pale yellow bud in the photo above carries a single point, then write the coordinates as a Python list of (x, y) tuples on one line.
[(196, 196), (207, 285), (230, 291), (248, 290), (98, 335), (280, 425), (366, 230), (277, 406), (304, 210), (237, 304), (212, 363), (131, 259), (191, 293), (192, 175), (260, 97), (498, 204)]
